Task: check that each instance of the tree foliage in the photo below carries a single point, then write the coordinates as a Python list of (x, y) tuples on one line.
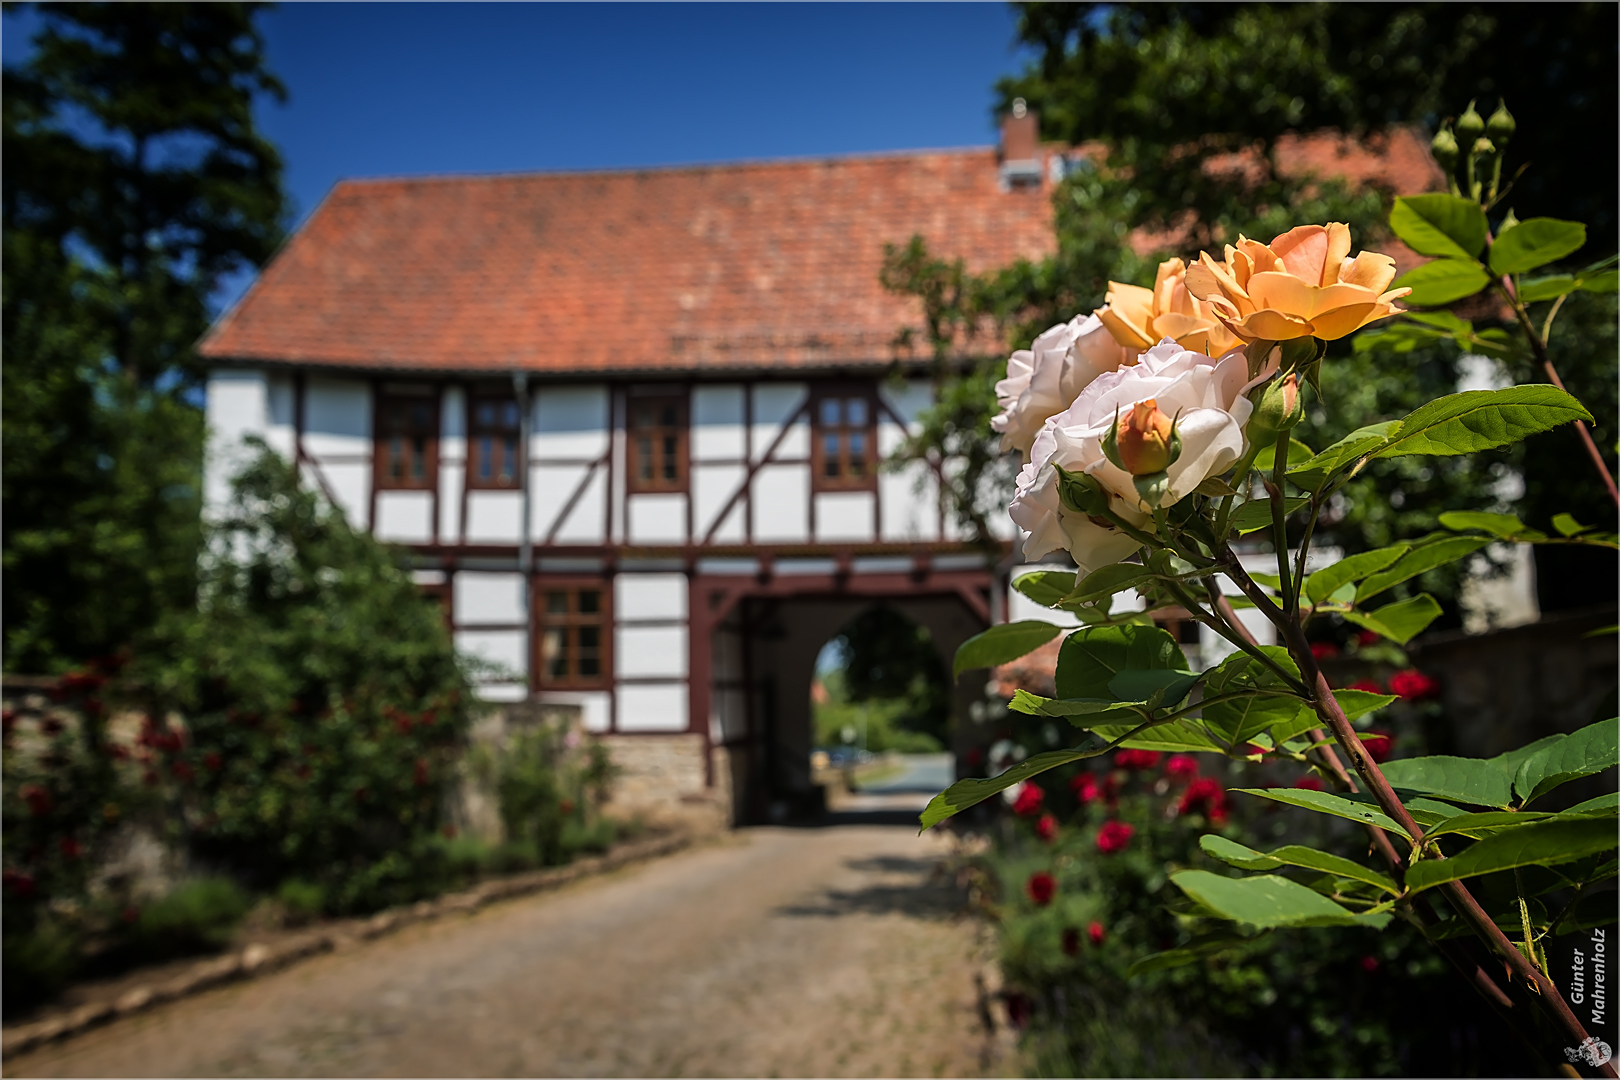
[(135, 182)]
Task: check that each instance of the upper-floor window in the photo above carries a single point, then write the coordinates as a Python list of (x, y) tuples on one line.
[(573, 638), (658, 443), (407, 454), (844, 452), (492, 442)]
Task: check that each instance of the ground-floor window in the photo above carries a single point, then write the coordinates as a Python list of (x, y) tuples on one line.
[(573, 634)]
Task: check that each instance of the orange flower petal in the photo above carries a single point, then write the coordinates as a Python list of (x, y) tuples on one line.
[(1304, 252), (1370, 270), (1207, 279), (1124, 332), (1338, 250), (1271, 325), (1282, 292), (1340, 321)]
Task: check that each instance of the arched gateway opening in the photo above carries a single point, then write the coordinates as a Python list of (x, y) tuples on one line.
[(765, 662)]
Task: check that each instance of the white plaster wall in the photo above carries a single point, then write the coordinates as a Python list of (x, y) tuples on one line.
[(503, 647), (480, 597), (910, 504), (653, 708), (717, 422), (570, 422), (494, 517), (712, 488), (501, 691), (337, 417), (649, 652), (908, 400), (587, 521), (844, 515), (773, 404), (453, 425), (451, 477), (350, 484), (405, 517), (781, 503), (596, 707), (552, 485), (657, 518), (281, 427), (649, 596), (237, 406)]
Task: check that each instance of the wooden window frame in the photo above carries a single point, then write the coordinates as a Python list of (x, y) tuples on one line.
[(819, 480), (475, 434), (635, 483), (543, 621), (380, 478)]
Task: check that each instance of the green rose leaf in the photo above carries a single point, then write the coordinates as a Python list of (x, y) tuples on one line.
[(1324, 802), (1476, 420), (1046, 587), (965, 793), (1401, 621), (1091, 657), (1267, 901), (1294, 855), (1355, 703), (1476, 781), (1002, 643), (1190, 953), (1534, 243), (1326, 581), (1505, 526), (1313, 473), (1535, 843), (1443, 281), (1439, 224), (1604, 281), (1547, 288), (1477, 825), (1103, 583), (1589, 750), (1034, 705), (1184, 736), (1255, 514), (1419, 560)]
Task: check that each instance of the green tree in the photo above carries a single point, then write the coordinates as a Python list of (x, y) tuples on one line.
[(136, 182)]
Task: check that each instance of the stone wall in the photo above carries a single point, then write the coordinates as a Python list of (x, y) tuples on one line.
[(663, 780)]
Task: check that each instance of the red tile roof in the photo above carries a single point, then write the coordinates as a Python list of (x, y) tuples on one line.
[(728, 266), (760, 265)]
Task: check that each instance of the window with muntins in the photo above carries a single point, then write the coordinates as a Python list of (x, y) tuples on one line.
[(573, 638), (493, 460), (407, 440), (658, 443), (845, 448)]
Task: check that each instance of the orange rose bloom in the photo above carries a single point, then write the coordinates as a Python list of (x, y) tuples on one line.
[(1140, 318), (1303, 284)]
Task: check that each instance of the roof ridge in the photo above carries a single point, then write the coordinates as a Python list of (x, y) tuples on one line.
[(689, 167)]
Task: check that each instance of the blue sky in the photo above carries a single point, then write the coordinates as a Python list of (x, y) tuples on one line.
[(399, 89)]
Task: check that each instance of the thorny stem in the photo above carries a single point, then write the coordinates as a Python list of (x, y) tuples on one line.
[(1279, 524), (1538, 345)]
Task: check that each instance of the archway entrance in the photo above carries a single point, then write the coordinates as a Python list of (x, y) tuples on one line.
[(765, 653)]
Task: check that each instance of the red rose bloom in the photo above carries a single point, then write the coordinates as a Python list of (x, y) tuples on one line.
[(1085, 787), (1040, 888), (1324, 650), (1137, 759), (1181, 767), (1096, 933), (1046, 827), (1017, 1009), (1071, 942), (1114, 837), (1030, 797), (1370, 964), (1413, 685), (1366, 637), (1368, 685), (1205, 796), (70, 847), (1379, 743), (1308, 783)]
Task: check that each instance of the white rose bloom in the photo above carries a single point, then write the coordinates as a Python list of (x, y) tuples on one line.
[(1043, 379), (1207, 397)]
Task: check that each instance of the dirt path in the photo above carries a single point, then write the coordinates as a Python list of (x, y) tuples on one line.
[(774, 952)]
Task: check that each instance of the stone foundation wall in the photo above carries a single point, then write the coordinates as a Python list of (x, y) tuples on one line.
[(662, 779)]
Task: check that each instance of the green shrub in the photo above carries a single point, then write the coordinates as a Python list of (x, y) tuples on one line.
[(302, 901), (197, 916), (39, 962)]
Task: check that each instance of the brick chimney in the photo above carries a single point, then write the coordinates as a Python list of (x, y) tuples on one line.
[(1020, 146)]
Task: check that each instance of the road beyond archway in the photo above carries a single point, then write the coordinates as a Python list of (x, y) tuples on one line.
[(774, 951)]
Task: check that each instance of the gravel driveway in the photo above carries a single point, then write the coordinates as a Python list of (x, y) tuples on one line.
[(770, 952)]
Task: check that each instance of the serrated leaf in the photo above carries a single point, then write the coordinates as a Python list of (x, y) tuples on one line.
[(1092, 656), (1307, 858), (1268, 901), (1003, 643), (1539, 843), (1241, 719), (1314, 473), (1476, 781), (1611, 801), (1443, 281), (1476, 420), (1235, 854), (970, 792), (1474, 826), (1583, 753), (1440, 224), (1105, 582), (1354, 703), (1419, 560), (1505, 526), (1326, 581), (1183, 736), (1534, 243), (1256, 513), (1266, 459), (1190, 953), (1324, 802), (1215, 488), (1401, 621), (1034, 705), (1046, 587)]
